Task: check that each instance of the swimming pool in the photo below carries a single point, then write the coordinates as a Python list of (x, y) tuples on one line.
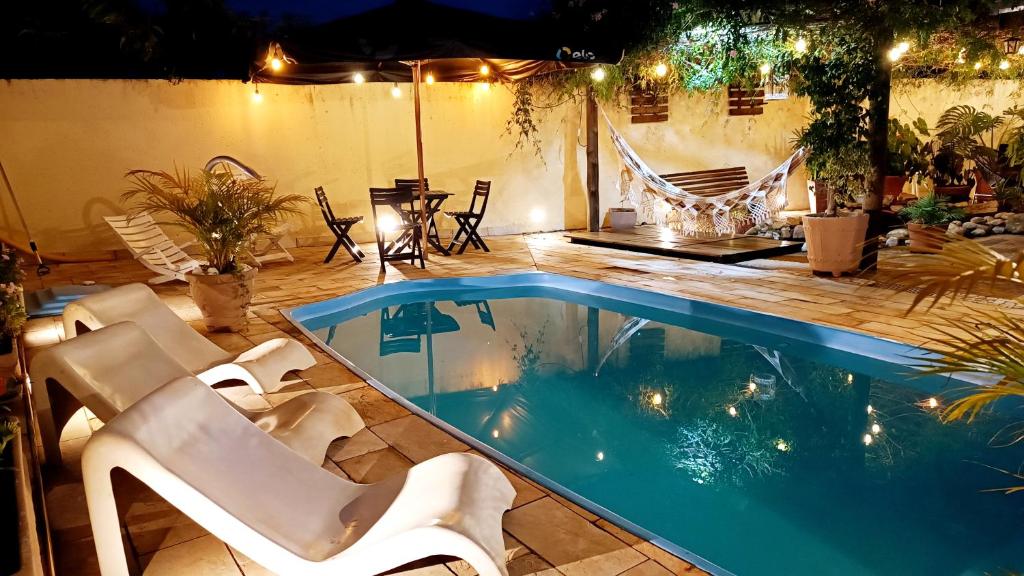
[(746, 443)]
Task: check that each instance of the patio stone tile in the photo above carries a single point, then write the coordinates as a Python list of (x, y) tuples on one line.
[(77, 557), (649, 568), (375, 466), (531, 565), (526, 491), (207, 556), (417, 439), (568, 542), (242, 395), (248, 566), (590, 516), (362, 442), (513, 549), (334, 469), (374, 407), (673, 564), (152, 523), (230, 341)]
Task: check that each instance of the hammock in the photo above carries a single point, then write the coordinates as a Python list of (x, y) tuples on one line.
[(658, 201)]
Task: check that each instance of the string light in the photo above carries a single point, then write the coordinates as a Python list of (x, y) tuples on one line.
[(800, 46), (430, 78), (1020, 51), (656, 399), (495, 434), (752, 387), (876, 428), (933, 403), (358, 78), (276, 64), (1005, 64), (396, 92), (485, 86), (894, 54), (537, 215), (782, 446), (600, 456), (765, 68), (870, 409), (868, 439), (598, 74), (494, 388), (732, 411), (256, 96), (485, 70), (660, 70), (849, 378), (960, 56), (977, 65), (903, 46)]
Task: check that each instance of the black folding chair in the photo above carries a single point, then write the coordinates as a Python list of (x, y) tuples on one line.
[(411, 234), (340, 227), (414, 183), (469, 220)]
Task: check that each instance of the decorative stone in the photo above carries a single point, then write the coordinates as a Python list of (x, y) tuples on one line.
[(995, 222), (1004, 215), (798, 232), (978, 220), (752, 231), (786, 233), (954, 229), (968, 226), (803, 248), (999, 229), (979, 231), (899, 234), (1015, 224), (892, 242)]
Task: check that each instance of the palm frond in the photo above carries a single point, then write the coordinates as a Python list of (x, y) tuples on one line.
[(956, 270)]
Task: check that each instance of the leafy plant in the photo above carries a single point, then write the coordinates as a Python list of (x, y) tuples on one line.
[(9, 430), (224, 214), (12, 308), (962, 134), (1013, 136), (931, 210), (906, 150)]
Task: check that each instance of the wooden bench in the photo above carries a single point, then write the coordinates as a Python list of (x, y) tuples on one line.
[(709, 182)]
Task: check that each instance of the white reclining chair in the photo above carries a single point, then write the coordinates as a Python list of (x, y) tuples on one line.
[(152, 248), (261, 367), (110, 369), (204, 458)]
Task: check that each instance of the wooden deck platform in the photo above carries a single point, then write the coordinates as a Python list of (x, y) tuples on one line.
[(652, 240)]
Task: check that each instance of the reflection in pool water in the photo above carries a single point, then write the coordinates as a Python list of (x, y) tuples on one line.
[(759, 454)]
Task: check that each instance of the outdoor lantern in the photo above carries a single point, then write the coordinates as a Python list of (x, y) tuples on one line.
[(1012, 45)]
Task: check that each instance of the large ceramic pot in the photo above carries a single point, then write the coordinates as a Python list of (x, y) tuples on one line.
[(926, 239), (894, 186), (223, 298), (622, 218), (834, 243)]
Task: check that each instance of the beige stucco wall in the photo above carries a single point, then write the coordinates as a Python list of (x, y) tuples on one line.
[(66, 145)]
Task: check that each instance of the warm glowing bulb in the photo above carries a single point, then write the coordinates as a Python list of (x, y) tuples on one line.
[(598, 74), (660, 70), (781, 446), (656, 399), (396, 92), (359, 78), (537, 215), (752, 387), (903, 46), (276, 64), (868, 439), (765, 68), (870, 409), (387, 223), (933, 403), (800, 46), (257, 97), (494, 388), (849, 378), (495, 434), (1005, 64), (485, 70), (732, 411), (977, 65), (600, 456), (894, 54), (1020, 51), (430, 78), (876, 428), (485, 86)]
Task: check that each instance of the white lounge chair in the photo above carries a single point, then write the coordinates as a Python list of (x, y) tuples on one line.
[(152, 248), (204, 458), (261, 367), (110, 369)]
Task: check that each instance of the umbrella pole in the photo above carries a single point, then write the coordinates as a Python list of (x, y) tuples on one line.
[(416, 70)]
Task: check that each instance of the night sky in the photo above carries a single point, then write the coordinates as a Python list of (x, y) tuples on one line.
[(322, 10)]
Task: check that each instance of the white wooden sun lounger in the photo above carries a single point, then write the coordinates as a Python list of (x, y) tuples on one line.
[(204, 458), (262, 367), (110, 369), (152, 248)]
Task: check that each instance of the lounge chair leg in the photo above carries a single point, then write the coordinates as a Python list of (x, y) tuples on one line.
[(106, 527)]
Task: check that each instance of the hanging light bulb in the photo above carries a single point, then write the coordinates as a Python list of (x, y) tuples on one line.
[(732, 411), (1020, 51), (1004, 65), (933, 403), (485, 86), (800, 46), (765, 68), (868, 439), (870, 409), (430, 78), (782, 446), (876, 428), (660, 70), (276, 64), (894, 54), (396, 92), (960, 56), (977, 65), (256, 96), (903, 46), (485, 70), (359, 78), (656, 399), (598, 74)]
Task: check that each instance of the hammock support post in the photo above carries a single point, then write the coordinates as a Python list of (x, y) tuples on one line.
[(593, 176)]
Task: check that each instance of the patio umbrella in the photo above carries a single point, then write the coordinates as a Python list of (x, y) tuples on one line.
[(393, 42)]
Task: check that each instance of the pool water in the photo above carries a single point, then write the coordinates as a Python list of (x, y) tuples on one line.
[(748, 444)]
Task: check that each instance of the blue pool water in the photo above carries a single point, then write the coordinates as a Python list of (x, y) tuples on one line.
[(750, 444)]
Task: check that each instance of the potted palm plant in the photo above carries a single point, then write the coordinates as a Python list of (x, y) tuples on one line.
[(835, 237), (225, 215), (925, 217)]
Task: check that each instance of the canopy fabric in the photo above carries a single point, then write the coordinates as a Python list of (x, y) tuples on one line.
[(455, 42), (664, 203)]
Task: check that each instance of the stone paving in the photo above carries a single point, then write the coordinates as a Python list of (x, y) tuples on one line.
[(544, 534)]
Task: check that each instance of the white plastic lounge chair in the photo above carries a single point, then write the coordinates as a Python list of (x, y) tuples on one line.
[(261, 367), (110, 369), (152, 248), (204, 458)]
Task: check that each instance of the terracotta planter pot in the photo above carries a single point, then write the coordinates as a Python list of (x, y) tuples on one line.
[(926, 239), (894, 186), (223, 298), (622, 218), (954, 193), (834, 244)]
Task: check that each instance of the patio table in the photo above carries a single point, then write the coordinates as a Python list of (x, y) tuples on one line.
[(434, 199)]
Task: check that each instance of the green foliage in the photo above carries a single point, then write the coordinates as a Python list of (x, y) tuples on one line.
[(522, 124), (224, 214), (12, 309), (9, 430), (1013, 136), (931, 210), (906, 151)]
